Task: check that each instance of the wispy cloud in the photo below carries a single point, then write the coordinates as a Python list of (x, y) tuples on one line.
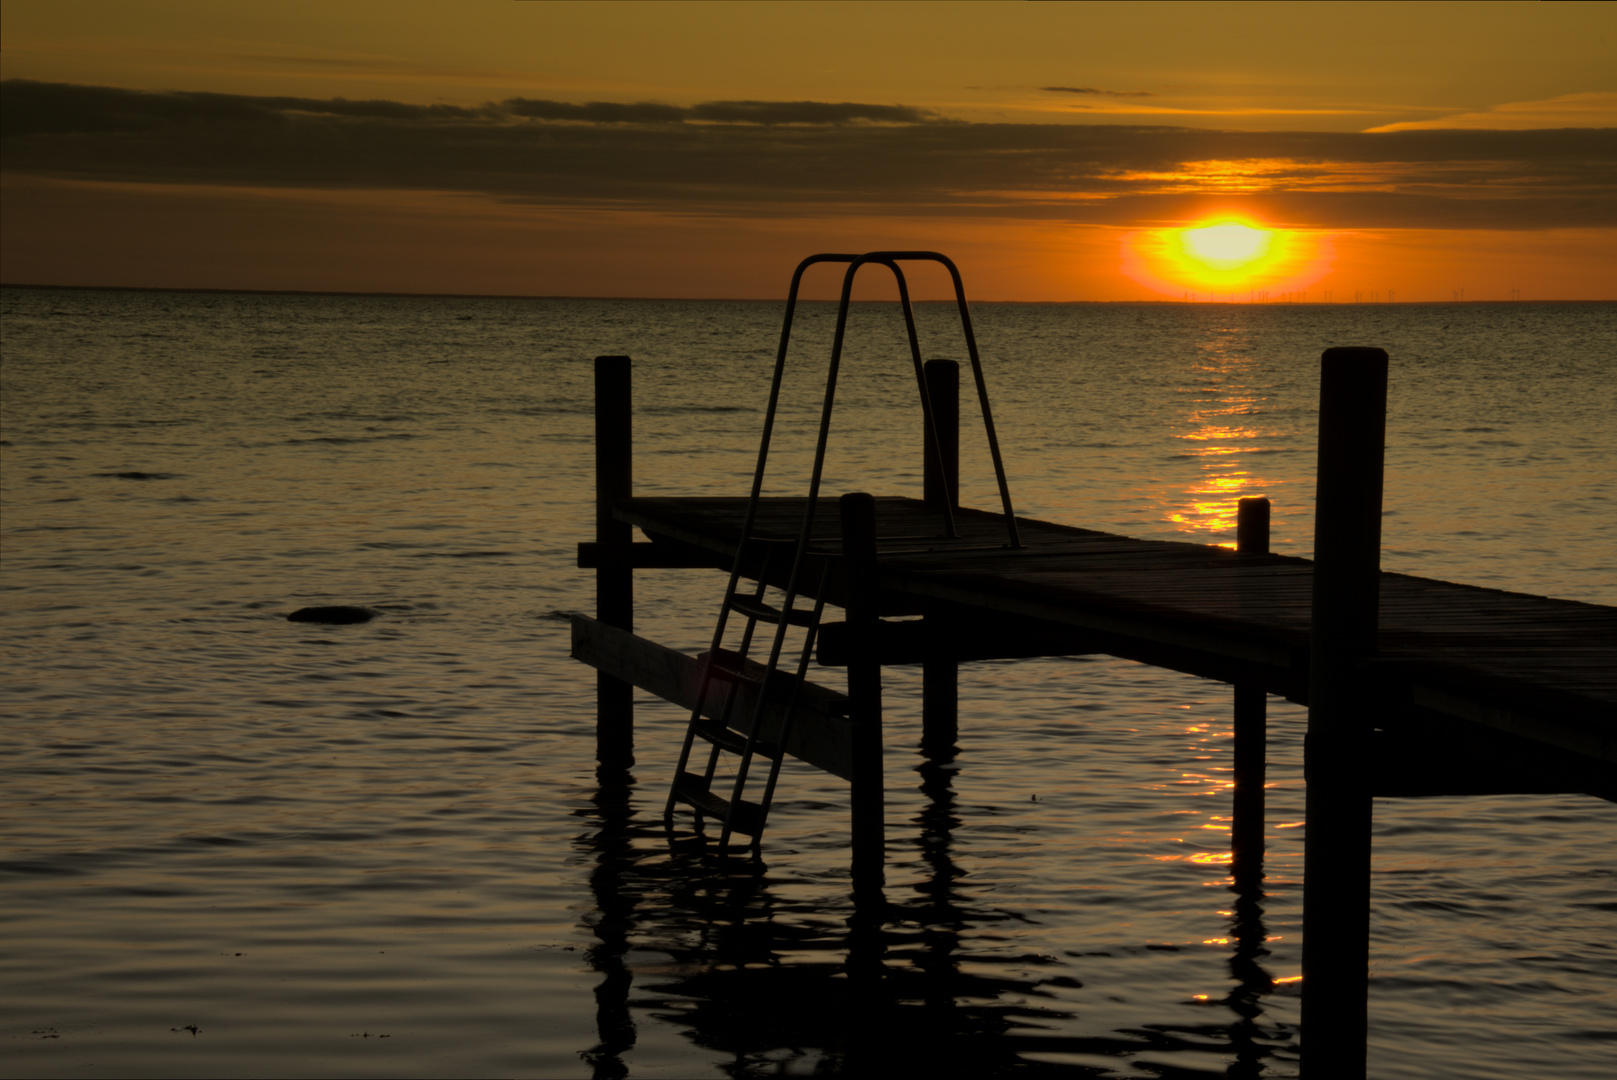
[(807, 158), (1096, 91), (808, 112), (1145, 111), (1567, 111)]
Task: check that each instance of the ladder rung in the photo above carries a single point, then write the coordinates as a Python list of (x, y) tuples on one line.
[(732, 667), (732, 740), (692, 789), (757, 609), (723, 737), (719, 670)]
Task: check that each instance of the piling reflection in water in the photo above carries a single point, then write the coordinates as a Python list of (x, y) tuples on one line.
[(1251, 981), (777, 986), (611, 845)]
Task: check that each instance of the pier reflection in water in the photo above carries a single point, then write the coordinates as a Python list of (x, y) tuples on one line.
[(885, 988)]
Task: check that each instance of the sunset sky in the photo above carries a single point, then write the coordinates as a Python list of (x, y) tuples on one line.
[(1057, 151)]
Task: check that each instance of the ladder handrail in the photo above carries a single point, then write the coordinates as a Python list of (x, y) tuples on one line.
[(982, 390), (705, 678), (889, 259)]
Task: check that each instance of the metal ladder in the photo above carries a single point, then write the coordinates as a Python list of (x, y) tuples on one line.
[(775, 695)]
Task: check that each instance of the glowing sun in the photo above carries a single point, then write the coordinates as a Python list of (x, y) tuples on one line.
[(1228, 246), (1225, 255)]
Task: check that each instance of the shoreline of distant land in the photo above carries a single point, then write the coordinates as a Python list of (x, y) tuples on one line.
[(733, 299)]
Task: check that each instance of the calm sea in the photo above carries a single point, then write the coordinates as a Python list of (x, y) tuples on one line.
[(236, 845)]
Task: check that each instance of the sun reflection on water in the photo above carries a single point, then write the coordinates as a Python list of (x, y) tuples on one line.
[(1221, 435)]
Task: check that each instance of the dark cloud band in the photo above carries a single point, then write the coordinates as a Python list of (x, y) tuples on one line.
[(749, 157), (34, 108)]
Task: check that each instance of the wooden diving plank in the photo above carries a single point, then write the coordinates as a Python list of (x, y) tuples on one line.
[(821, 735)]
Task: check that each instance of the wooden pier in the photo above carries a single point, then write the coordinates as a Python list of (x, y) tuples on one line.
[(1415, 687)]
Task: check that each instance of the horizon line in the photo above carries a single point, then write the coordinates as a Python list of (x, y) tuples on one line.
[(714, 299)]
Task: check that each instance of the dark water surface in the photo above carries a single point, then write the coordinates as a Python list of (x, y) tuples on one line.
[(383, 850)]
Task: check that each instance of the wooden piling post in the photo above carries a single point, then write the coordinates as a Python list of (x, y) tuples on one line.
[(940, 674), (864, 691), (614, 584), (1251, 721), (1252, 526), (1336, 854)]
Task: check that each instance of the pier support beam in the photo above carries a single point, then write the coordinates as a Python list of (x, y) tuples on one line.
[(940, 675), (614, 583), (1251, 722), (1336, 855), (864, 693)]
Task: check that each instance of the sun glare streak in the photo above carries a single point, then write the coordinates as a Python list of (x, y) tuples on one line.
[(1227, 256)]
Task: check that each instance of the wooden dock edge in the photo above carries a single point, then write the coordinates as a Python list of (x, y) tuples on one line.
[(1587, 739), (821, 734)]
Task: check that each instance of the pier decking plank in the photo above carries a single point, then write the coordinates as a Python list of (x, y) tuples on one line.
[(1534, 667)]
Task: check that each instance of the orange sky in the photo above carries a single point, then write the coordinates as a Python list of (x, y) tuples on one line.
[(1056, 151)]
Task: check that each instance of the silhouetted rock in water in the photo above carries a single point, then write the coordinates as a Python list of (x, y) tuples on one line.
[(138, 475), (338, 614)]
